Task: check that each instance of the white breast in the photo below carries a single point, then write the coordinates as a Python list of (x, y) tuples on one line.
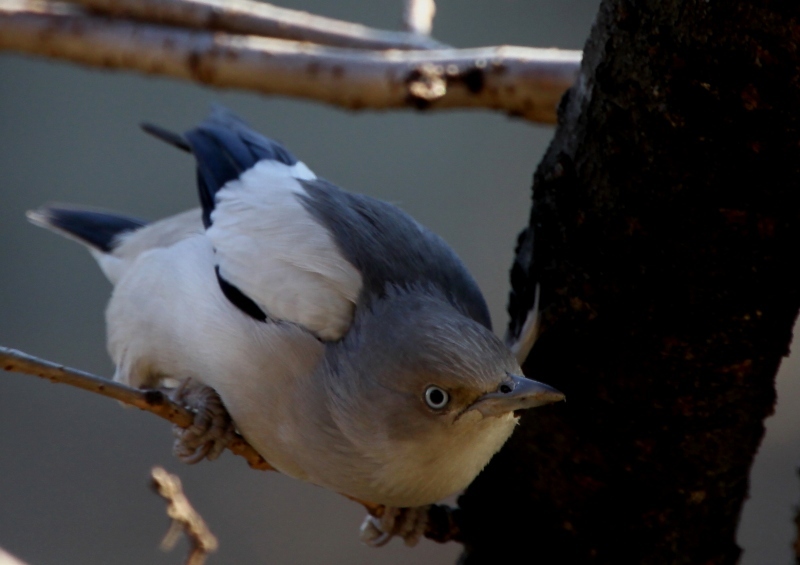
[(168, 317), (419, 472)]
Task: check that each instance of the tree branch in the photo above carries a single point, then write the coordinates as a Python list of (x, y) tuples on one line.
[(8, 559), (259, 18), (184, 518), (519, 81), (663, 235), (442, 524), (149, 400), (418, 16)]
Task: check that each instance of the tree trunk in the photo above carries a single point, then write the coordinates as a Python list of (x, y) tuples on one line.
[(664, 234)]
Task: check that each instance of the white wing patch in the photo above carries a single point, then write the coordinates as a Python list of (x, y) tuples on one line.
[(276, 253), (163, 233)]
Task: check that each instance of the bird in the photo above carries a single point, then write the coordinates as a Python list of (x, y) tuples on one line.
[(348, 343)]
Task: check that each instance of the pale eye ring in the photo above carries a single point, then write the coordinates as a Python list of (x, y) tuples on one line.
[(436, 398)]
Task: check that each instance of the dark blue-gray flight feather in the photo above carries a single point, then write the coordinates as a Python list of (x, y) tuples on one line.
[(97, 229), (224, 147)]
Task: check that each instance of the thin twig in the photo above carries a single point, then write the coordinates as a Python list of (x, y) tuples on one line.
[(153, 401), (441, 527), (149, 400), (248, 17), (519, 81), (184, 519), (8, 559), (521, 345), (418, 16)]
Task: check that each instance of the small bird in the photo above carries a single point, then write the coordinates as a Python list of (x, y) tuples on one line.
[(349, 344)]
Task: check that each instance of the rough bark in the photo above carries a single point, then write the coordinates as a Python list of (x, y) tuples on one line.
[(664, 232)]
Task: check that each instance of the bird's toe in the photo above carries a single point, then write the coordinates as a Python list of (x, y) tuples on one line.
[(406, 523), (212, 429)]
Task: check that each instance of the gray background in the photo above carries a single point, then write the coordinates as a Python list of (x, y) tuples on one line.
[(74, 466)]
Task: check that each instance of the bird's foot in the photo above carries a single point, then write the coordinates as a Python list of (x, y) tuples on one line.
[(211, 430), (407, 523)]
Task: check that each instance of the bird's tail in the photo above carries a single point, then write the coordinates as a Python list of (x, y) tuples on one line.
[(224, 147), (97, 230)]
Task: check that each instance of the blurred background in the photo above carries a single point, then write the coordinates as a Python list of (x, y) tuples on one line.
[(74, 467)]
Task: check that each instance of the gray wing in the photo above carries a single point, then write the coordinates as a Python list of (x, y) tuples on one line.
[(388, 247), (289, 246), (273, 261)]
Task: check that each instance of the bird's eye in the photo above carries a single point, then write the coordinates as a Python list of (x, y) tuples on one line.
[(436, 397)]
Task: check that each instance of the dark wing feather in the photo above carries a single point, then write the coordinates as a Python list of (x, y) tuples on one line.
[(100, 230), (224, 147)]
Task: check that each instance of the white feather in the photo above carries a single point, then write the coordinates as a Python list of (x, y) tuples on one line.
[(130, 245), (168, 318), (275, 252)]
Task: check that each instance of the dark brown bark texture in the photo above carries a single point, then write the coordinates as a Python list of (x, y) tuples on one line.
[(665, 236)]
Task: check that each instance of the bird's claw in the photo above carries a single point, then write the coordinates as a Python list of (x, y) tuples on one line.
[(406, 523), (211, 430)]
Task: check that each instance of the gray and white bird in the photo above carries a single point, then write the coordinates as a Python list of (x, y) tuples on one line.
[(349, 344)]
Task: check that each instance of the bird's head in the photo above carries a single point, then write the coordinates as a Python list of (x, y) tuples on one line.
[(426, 386), (443, 366)]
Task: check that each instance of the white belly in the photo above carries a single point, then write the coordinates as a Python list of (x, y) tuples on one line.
[(168, 318)]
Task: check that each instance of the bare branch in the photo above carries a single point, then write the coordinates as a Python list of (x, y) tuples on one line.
[(418, 16), (184, 519), (149, 400), (8, 559), (519, 81), (153, 401), (521, 345), (248, 17), (441, 526)]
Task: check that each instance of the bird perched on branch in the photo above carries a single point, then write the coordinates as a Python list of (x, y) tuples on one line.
[(348, 343)]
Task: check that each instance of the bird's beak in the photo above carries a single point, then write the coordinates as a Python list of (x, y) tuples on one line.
[(517, 393)]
